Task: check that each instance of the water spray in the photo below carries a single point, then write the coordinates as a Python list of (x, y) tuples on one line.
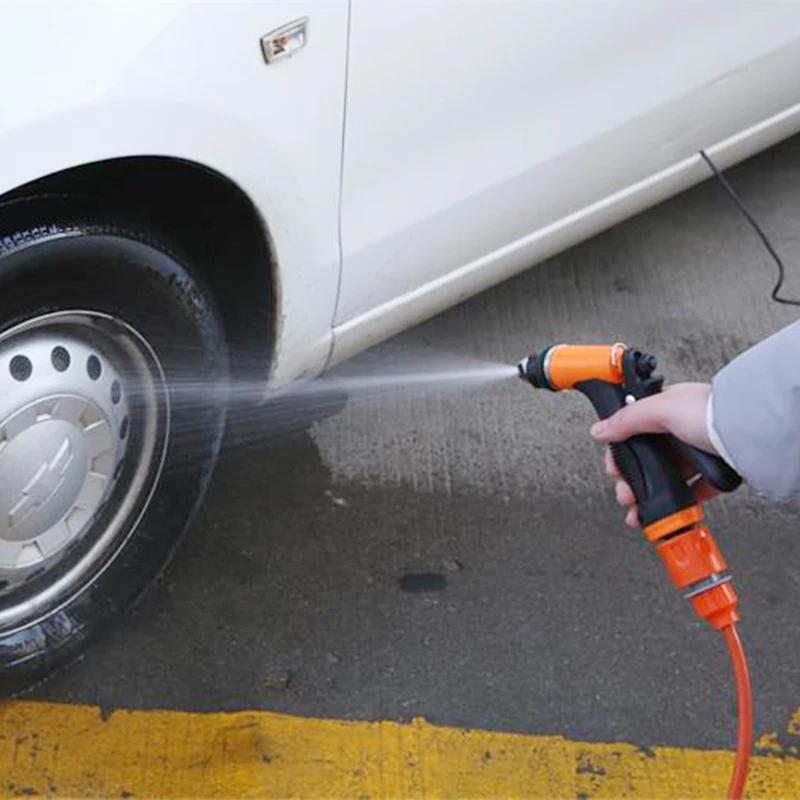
[(611, 377)]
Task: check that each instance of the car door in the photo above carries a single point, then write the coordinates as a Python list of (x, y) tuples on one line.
[(475, 128)]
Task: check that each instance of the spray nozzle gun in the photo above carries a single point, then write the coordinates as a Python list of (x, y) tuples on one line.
[(611, 377)]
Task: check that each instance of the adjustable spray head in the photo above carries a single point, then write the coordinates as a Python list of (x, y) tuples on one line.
[(532, 370), (566, 366)]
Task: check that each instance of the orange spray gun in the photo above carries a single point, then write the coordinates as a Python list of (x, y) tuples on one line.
[(611, 377)]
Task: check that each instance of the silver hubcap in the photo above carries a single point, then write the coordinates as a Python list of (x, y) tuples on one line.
[(83, 417), (59, 451)]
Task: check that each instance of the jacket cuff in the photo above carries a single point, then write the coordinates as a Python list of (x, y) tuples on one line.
[(714, 437)]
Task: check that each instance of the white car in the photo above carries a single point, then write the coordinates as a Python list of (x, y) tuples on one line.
[(190, 190)]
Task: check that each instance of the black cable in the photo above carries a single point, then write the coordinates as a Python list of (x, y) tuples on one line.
[(756, 227)]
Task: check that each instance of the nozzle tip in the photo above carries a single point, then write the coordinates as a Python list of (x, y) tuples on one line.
[(533, 370)]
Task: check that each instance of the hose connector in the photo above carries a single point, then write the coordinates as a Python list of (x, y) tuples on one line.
[(696, 565), (717, 606)]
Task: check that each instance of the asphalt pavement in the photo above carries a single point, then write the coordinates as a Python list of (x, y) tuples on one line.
[(455, 553)]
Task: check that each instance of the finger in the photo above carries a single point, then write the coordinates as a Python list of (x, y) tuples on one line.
[(647, 415), (624, 494), (632, 517), (612, 470)]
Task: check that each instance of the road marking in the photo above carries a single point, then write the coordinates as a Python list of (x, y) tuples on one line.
[(72, 750)]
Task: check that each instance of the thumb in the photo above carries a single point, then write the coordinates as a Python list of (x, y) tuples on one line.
[(648, 415)]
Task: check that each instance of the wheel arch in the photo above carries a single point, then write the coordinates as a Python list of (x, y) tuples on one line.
[(210, 219)]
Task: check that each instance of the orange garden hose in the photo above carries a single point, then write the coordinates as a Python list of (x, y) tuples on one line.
[(744, 704)]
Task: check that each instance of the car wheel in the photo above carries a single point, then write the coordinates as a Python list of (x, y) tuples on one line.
[(112, 405)]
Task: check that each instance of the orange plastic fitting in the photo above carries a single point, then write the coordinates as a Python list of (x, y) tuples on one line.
[(673, 523), (568, 364), (717, 606), (691, 557), (694, 562)]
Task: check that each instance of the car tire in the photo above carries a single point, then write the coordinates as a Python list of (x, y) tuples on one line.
[(112, 407)]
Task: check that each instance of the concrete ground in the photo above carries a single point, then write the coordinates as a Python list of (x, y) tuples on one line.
[(457, 554)]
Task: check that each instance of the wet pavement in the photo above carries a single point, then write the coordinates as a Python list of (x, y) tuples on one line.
[(456, 554)]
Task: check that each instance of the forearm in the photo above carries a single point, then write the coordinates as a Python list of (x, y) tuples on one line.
[(754, 415)]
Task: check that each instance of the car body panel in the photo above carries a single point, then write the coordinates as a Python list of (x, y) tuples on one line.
[(188, 80), (430, 298), (479, 144)]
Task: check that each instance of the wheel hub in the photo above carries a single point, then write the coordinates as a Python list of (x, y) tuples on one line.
[(63, 431)]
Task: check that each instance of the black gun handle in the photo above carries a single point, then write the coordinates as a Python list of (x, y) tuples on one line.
[(647, 462)]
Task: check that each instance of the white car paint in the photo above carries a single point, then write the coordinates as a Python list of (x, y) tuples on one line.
[(508, 136), (478, 137)]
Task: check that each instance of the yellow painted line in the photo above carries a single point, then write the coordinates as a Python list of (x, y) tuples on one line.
[(72, 751)]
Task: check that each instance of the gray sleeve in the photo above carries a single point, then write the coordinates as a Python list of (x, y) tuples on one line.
[(755, 414)]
